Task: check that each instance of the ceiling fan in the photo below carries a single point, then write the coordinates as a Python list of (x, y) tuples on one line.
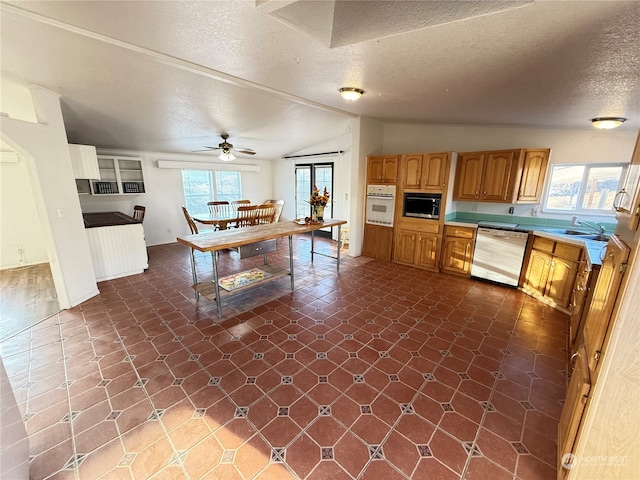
[(226, 148)]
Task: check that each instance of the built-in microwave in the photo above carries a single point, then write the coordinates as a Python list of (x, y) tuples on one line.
[(422, 205)]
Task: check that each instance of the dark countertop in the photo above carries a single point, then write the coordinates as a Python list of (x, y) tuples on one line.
[(107, 219)]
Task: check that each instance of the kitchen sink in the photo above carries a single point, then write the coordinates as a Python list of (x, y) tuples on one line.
[(597, 237), (576, 232)]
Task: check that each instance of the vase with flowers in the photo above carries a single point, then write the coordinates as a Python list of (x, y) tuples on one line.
[(318, 201)]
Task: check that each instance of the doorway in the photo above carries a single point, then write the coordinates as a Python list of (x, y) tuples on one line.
[(308, 175)]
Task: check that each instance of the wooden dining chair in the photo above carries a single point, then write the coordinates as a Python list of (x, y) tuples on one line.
[(211, 205), (192, 225), (240, 202), (266, 213), (138, 212), (247, 216), (279, 204)]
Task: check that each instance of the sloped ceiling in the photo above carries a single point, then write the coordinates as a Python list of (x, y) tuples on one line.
[(171, 76)]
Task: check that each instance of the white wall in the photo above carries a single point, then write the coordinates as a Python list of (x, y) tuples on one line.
[(20, 231), (164, 194), (45, 149), (567, 146), (367, 140)]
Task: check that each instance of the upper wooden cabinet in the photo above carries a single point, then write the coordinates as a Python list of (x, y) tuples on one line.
[(382, 169), (530, 175), (502, 176), (425, 171), (627, 200)]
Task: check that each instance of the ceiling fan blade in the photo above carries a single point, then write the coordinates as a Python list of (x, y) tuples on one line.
[(208, 149), (246, 151)]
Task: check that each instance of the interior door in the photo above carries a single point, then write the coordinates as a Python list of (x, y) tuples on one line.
[(308, 175)]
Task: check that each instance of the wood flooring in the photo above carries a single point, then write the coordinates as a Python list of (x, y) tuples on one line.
[(27, 296)]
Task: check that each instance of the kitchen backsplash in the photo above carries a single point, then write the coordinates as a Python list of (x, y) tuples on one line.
[(474, 217)]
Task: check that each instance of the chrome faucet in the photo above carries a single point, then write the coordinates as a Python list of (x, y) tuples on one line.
[(597, 226)]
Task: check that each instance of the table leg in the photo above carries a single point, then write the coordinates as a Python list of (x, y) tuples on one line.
[(312, 244), (291, 259), (216, 286), (194, 274), (339, 247)]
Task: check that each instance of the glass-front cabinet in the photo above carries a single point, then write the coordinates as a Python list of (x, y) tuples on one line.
[(119, 176)]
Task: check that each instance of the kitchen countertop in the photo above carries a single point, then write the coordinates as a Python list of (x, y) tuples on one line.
[(107, 219), (593, 248)]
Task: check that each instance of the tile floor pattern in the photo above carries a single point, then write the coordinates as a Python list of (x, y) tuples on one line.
[(380, 372)]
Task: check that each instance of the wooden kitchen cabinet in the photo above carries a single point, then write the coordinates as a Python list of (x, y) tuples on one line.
[(501, 176), (425, 171), (418, 245), (572, 412), (378, 241), (530, 175), (468, 177), (457, 250), (627, 201), (551, 271), (596, 324), (581, 298), (382, 169)]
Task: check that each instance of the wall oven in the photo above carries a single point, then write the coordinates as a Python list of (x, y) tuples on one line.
[(422, 205), (381, 201)]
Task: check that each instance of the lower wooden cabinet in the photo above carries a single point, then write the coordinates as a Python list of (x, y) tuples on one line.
[(418, 246), (378, 241), (457, 250), (572, 412), (551, 271)]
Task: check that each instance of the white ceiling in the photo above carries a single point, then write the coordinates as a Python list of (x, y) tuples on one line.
[(170, 76)]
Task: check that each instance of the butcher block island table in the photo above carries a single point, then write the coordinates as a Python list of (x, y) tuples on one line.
[(250, 241)]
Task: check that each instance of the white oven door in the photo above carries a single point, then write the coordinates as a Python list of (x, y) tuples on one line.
[(380, 210)]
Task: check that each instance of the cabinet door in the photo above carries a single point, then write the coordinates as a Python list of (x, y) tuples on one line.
[(497, 180), (537, 271), (534, 168), (427, 251), (574, 406), (405, 246), (604, 297), (412, 170), (456, 255), (578, 298), (377, 242), (468, 176), (435, 169), (390, 170), (562, 277), (627, 200), (374, 169)]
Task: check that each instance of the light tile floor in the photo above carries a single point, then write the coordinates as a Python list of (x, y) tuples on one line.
[(379, 372)]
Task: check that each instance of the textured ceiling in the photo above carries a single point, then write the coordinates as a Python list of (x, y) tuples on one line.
[(170, 76)]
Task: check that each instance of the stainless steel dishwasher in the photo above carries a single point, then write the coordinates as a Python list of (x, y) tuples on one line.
[(499, 252)]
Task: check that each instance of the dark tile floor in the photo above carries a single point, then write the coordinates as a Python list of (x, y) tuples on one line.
[(379, 372)]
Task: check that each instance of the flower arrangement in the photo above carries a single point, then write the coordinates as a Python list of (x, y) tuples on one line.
[(319, 200)]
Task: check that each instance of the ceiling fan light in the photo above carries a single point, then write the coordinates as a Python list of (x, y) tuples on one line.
[(226, 156), (607, 123), (351, 93)]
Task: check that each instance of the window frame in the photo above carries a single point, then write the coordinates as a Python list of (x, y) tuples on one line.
[(580, 210)]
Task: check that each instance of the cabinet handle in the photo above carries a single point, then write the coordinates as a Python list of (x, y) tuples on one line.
[(618, 206), (572, 361), (603, 252), (476, 194), (484, 195)]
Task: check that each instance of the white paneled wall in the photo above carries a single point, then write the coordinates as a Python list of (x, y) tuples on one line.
[(117, 251)]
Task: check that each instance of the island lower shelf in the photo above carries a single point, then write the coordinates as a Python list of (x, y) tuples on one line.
[(208, 290)]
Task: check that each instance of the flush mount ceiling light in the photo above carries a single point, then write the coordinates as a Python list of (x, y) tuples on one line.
[(351, 93), (226, 155), (607, 123)]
